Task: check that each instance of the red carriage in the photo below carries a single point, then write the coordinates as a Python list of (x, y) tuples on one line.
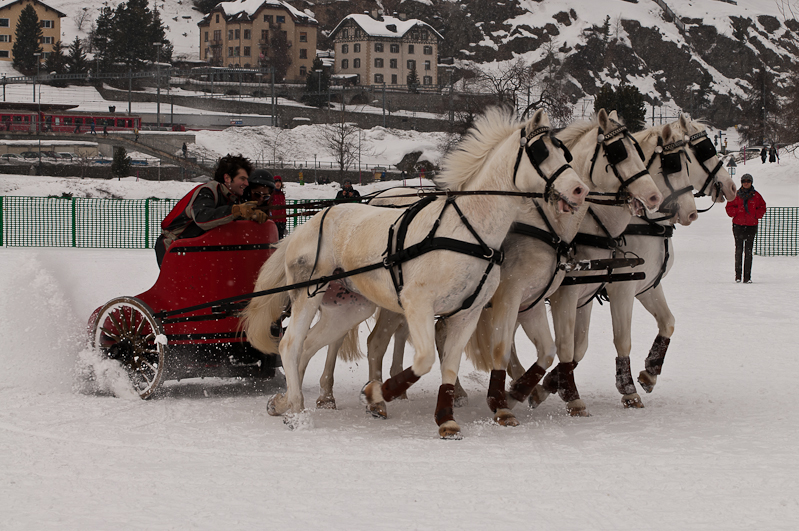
[(172, 331)]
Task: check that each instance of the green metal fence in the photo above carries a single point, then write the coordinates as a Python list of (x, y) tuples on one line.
[(93, 223), (778, 232)]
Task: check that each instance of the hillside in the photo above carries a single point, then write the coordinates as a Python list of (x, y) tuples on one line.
[(700, 61)]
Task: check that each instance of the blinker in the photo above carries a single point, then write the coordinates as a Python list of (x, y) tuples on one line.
[(615, 152), (671, 163), (538, 151), (704, 150)]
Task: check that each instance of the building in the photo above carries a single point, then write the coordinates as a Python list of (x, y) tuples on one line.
[(49, 20), (243, 34), (380, 49)]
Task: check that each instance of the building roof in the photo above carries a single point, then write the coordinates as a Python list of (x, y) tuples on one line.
[(387, 27), (8, 3), (246, 9)]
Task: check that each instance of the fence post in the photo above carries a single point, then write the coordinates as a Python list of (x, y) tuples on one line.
[(2, 215), (74, 222), (146, 223)]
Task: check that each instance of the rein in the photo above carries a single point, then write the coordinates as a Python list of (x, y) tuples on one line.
[(704, 151), (614, 158)]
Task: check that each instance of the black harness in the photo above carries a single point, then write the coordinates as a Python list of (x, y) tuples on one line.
[(660, 231), (670, 163), (704, 150), (615, 153)]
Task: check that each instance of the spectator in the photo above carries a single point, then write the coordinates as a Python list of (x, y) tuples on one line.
[(77, 126), (93, 125), (745, 210), (185, 151), (773, 155), (210, 205), (105, 127), (763, 154), (347, 191), (135, 134), (262, 184), (278, 199)]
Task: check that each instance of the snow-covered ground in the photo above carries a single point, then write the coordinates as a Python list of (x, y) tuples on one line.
[(715, 447)]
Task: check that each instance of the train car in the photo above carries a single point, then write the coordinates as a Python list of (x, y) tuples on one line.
[(66, 121)]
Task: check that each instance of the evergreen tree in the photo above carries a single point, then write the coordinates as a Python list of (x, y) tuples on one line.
[(280, 56), (76, 59), (120, 166), (316, 84), (205, 6), (627, 100), (57, 64), (759, 110), (101, 38), (413, 79), (26, 41)]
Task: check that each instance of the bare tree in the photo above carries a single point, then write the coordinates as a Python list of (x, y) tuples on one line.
[(81, 17), (84, 158), (788, 9), (507, 82), (340, 139)]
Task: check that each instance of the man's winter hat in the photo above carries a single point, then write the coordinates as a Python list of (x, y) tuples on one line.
[(747, 177), (262, 178)]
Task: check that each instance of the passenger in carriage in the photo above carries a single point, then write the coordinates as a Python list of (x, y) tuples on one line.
[(277, 200), (210, 205), (262, 184)]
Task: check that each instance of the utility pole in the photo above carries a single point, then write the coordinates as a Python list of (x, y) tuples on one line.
[(158, 85), (384, 104), (274, 102)]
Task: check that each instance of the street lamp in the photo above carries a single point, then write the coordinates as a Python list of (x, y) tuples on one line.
[(318, 86), (158, 84)]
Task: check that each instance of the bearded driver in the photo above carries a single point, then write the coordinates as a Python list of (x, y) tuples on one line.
[(210, 205)]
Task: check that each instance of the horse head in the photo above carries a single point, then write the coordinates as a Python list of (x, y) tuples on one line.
[(664, 149), (705, 170)]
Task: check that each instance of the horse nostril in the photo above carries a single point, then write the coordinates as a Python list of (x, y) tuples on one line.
[(578, 191), (655, 199), (693, 217)]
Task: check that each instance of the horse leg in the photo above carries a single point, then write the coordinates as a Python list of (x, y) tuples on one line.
[(655, 303), (385, 326), (564, 314), (400, 338), (536, 325), (567, 388), (326, 399), (461, 398), (621, 312)]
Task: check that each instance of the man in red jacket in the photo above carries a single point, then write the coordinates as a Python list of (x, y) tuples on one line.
[(745, 210)]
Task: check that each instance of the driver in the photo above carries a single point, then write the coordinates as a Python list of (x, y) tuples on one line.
[(210, 205)]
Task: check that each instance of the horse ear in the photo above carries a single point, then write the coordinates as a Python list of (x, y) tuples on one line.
[(541, 118), (602, 118), (684, 122), (614, 115), (666, 132)]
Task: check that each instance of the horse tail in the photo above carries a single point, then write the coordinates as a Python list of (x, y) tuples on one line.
[(478, 349), (263, 311), (351, 348)]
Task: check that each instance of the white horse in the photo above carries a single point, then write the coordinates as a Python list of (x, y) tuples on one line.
[(652, 243), (518, 300), (466, 231)]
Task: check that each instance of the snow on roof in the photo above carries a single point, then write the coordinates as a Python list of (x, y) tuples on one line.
[(250, 7), (387, 27), (6, 3)]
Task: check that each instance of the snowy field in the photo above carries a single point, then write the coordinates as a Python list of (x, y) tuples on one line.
[(715, 447)]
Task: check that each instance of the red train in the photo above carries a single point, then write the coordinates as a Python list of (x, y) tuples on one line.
[(66, 121)]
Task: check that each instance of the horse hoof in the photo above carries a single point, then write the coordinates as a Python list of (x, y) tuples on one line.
[(326, 403), (647, 381), (371, 393), (461, 401), (276, 405), (632, 401), (504, 417), (378, 410), (577, 408), (537, 397), (450, 431), (403, 396)]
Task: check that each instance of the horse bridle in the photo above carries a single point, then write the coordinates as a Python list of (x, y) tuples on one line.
[(670, 163), (616, 152), (537, 153), (704, 151)]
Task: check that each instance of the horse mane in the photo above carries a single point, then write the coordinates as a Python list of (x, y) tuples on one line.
[(573, 132), (466, 161)]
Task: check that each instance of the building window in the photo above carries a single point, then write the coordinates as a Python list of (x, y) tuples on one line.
[(230, 35), (393, 79), (246, 51), (3, 53), (427, 65), (217, 35), (378, 62), (345, 48), (345, 34), (378, 46), (217, 19), (415, 35), (280, 19), (247, 35), (5, 38), (206, 36), (428, 50), (356, 48), (303, 71), (303, 53), (378, 78), (424, 35), (356, 63), (345, 64), (303, 36), (230, 51), (411, 64), (427, 80), (238, 34), (47, 23), (264, 35), (358, 33), (268, 18), (410, 48), (47, 40), (394, 48), (236, 51), (392, 63)]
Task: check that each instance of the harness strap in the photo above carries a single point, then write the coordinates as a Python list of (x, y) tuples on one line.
[(405, 220), (650, 229)]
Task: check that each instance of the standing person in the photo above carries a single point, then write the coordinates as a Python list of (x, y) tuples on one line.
[(773, 156), (347, 191), (185, 150), (105, 127), (278, 199), (93, 131), (745, 210), (135, 134), (210, 205), (77, 126), (763, 154)]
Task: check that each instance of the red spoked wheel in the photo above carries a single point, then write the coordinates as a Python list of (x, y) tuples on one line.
[(127, 331)]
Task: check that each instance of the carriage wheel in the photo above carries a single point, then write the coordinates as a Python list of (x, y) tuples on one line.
[(126, 330)]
